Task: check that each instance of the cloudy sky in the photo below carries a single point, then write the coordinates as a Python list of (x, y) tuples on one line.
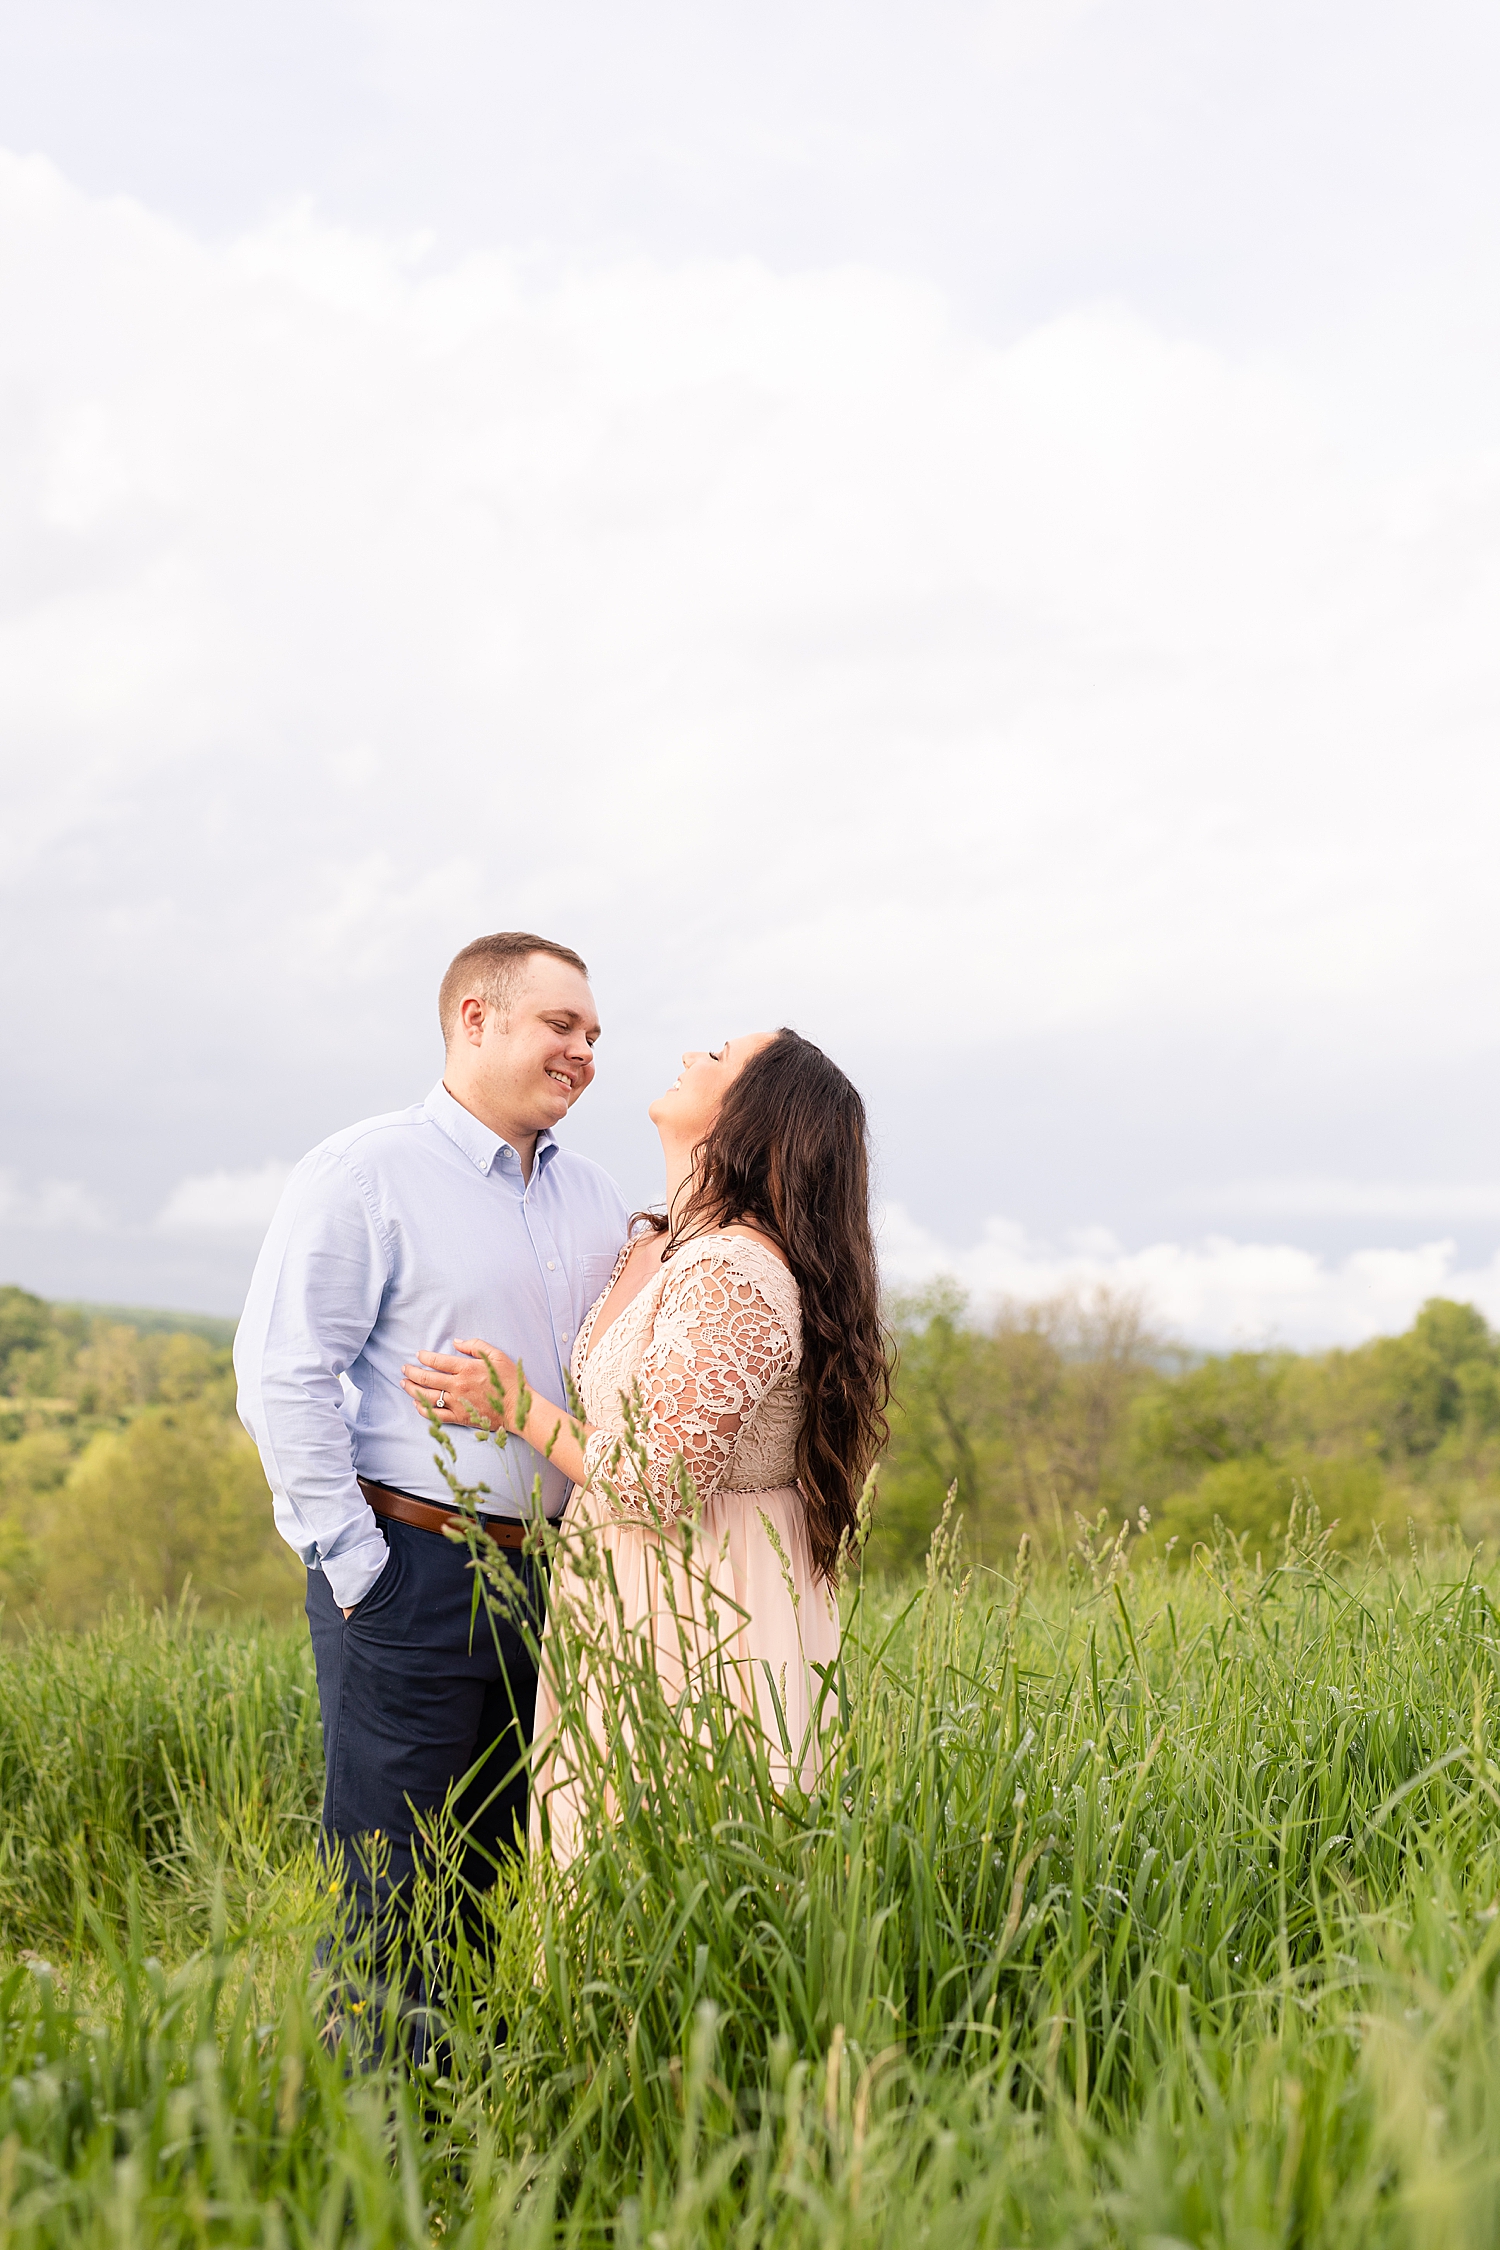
[(972, 528)]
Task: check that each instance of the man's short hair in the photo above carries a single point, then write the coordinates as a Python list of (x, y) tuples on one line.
[(491, 967)]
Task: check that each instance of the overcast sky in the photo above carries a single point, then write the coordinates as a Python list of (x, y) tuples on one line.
[(972, 529)]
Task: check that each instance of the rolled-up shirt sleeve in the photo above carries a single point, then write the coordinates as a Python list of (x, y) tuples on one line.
[(314, 1298)]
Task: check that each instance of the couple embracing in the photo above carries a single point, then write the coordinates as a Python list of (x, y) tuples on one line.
[(726, 1355)]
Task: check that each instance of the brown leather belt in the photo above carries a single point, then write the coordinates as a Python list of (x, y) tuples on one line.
[(425, 1515)]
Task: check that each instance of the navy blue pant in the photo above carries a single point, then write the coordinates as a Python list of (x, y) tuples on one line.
[(415, 1689)]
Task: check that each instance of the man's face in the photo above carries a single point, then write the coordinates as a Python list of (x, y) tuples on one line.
[(531, 1060)]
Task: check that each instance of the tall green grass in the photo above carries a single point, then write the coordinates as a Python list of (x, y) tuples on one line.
[(153, 1759), (1132, 1908)]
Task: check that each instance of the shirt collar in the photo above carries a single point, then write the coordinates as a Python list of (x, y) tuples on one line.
[(483, 1148)]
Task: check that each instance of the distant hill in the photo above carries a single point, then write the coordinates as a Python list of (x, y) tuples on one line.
[(150, 1320), (124, 1471)]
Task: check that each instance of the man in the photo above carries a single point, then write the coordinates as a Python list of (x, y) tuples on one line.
[(462, 1217)]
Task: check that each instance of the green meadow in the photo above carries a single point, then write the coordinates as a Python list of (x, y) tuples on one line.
[(1137, 1905), (1150, 1894)]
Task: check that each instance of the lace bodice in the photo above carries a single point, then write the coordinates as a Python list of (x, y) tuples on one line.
[(712, 1342)]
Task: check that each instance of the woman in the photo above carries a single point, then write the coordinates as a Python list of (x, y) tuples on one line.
[(745, 1323)]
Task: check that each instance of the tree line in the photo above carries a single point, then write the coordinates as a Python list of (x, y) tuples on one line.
[(123, 1469), (1045, 1414)]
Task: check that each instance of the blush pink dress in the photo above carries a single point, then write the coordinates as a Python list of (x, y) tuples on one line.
[(709, 1349)]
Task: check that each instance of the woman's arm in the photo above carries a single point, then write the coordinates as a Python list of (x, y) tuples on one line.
[(717, 1345), (465, 1386)]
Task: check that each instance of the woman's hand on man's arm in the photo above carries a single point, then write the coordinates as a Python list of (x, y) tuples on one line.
[(466, 1385), (475, 1385)]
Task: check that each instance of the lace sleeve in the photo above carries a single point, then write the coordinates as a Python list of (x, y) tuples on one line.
[(717, 1345)]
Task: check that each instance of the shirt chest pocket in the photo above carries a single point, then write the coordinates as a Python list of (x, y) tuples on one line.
[(593, 1274)]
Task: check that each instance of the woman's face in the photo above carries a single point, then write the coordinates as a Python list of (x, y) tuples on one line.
[(691, 1103)]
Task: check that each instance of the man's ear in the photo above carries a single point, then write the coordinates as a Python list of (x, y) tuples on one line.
[(471, 1019)]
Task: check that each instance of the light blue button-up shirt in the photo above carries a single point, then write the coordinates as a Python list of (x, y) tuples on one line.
[(392, 1238)]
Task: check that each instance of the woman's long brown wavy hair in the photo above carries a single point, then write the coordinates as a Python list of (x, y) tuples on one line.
[(788, 1154)]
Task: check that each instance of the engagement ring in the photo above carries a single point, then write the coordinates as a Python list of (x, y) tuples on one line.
[(442, 1400)]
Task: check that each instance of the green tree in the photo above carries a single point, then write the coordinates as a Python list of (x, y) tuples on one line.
[(174, 1501), (24, 1328), (1028, 1415), (1226, 1409), (1403, 1397)]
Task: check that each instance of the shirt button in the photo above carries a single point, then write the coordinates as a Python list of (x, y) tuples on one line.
[(551, 1265)]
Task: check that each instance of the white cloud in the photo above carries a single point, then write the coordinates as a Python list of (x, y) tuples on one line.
[(1058, 658), (53, 1207), (225, 1202), (796, 652), (1213, 1293)]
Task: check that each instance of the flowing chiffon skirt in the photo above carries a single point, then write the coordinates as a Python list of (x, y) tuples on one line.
[(744, 1611)]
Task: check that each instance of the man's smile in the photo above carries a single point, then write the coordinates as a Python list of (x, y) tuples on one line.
[(562, 1078)]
